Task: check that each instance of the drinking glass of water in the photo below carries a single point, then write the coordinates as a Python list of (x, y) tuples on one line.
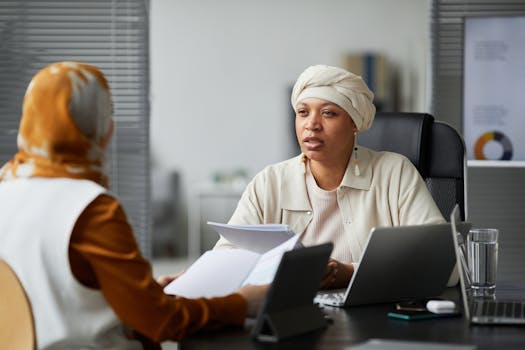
[(482, 247)]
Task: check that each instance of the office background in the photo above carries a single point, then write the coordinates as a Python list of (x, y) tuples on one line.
[(218, 76), (222, 72)]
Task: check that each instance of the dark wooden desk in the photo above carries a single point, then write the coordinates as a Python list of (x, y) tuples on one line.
[(357, 324)]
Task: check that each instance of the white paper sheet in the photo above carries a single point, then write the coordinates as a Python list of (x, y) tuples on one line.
[(216, 273), (387, 344), (266, 267), (221, 272), (257, 238)]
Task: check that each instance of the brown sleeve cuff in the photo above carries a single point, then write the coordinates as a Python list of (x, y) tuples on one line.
[(231, 309)]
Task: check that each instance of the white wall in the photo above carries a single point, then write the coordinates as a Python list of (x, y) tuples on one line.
[(221, 72)]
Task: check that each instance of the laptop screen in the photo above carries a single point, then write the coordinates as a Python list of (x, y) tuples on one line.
[(459, 247)]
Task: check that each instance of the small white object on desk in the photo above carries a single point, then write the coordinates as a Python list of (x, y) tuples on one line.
[(441, 306)]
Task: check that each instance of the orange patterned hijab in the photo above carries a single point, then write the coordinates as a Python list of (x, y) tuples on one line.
[(66, 125)]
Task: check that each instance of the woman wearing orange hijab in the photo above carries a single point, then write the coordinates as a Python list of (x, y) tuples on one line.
[(68, 239)]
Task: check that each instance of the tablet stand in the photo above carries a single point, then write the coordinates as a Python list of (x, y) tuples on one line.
[(288, 308), (278, 325)]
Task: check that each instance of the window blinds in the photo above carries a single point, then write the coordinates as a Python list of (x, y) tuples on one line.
[(112, 35)]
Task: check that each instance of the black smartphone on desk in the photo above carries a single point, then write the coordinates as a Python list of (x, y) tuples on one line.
[(417, 310)]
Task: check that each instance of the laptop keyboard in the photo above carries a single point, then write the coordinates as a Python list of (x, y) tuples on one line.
[(506, 309), (335, 297)]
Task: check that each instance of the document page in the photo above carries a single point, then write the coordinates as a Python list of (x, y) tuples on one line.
[(216, 273), (257, 238), (266, 267), (388, 344), (220, 272)]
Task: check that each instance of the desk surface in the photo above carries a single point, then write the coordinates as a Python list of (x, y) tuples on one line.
[(355, 325)]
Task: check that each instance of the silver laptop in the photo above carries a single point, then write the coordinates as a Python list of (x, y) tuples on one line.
[(478, 310), (398, 263)]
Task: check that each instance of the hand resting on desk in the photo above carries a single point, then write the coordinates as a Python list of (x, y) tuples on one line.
[(337, 275)]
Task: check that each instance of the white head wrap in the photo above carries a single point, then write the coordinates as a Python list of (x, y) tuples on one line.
[(347, 90)]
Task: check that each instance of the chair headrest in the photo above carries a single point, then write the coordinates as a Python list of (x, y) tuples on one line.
[(405, 133), (448, 152)]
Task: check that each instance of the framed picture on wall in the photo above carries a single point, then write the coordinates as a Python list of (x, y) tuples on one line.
[(494, 88)]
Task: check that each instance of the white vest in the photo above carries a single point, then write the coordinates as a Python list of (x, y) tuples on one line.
[(37, 217)]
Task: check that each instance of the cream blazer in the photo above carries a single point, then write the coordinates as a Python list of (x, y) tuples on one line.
[(389, 192)]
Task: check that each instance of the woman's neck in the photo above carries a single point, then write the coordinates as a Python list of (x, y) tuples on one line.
[(328, 176)]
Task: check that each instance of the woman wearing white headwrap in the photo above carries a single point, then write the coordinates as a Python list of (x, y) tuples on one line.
[(336, 190)]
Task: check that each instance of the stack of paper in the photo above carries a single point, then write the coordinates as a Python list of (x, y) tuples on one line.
[(392, 344), (256, 238), (221, 272)]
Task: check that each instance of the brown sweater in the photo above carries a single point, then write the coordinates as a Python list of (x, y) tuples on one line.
[(104, 255)]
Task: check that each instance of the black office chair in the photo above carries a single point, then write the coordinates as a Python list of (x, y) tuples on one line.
[(435, 148)]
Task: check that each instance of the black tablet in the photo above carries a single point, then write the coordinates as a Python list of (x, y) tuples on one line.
[(288, 308)]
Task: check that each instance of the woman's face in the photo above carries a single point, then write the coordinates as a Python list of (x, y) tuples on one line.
[(324, 130)]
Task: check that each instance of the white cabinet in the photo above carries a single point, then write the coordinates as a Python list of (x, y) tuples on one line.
[(209, 202)]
